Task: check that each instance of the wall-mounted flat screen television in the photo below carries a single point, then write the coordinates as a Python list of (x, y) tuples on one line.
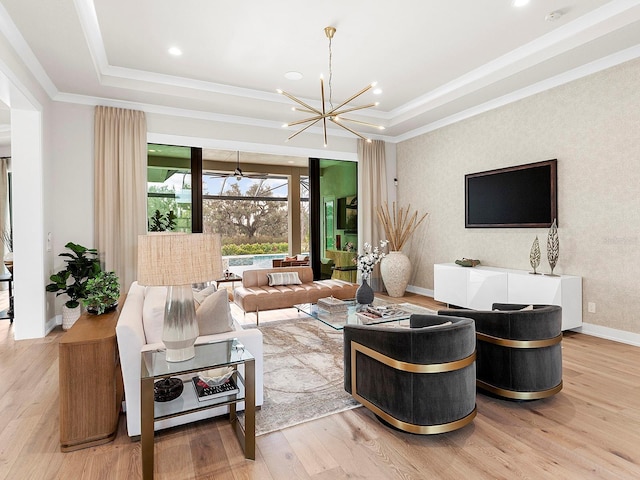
[(524, 196)]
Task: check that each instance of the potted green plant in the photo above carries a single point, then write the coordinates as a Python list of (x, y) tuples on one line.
[(102, 293), (82, 264)]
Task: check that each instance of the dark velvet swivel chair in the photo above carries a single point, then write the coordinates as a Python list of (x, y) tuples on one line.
[(519, 355), (419, 379)]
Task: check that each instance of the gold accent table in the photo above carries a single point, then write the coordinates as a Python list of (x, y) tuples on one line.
[(208, 356)]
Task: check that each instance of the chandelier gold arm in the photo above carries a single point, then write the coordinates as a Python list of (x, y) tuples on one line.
[(340, 118), (368, 140), (305, 120), (353, 109), (352, 97), (302, 129), (288, 95), (295, 109)]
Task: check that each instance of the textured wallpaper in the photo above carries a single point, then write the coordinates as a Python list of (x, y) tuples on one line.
[(592, 126)]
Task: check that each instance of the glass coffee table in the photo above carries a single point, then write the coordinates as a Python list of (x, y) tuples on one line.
[(356, 314)]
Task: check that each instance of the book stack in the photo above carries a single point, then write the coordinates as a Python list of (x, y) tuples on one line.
[(205, 392), (378, 314), (333, 306)]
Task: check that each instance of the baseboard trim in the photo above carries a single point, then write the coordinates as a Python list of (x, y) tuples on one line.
[(614, 334), (52, 323), (419, 291)]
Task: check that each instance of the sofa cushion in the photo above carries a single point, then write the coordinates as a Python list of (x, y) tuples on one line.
[(284, 278), (153, 313), (200, 296), (214, 314)]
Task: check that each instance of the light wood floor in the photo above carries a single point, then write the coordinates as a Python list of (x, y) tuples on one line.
[(591, 430)]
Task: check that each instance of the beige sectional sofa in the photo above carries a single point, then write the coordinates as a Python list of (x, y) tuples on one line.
[(256, 295)]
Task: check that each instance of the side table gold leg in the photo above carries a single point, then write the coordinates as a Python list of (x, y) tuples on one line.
[(250, 410), (146, 433)]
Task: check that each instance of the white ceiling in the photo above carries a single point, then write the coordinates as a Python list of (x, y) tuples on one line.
[(436, 61)]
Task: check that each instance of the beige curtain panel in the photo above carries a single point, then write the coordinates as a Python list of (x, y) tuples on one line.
[(372, 191), (120, 188)]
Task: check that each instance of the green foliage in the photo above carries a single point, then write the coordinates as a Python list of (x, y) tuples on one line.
[(82, 265), (251, 218), (167, 202), (255, 248), (102, 292), (160, 222)]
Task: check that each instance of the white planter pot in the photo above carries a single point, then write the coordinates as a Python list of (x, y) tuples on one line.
[(395, 269), (69, 316)]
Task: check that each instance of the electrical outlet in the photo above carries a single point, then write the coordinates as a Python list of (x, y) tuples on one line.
[(591, 307)]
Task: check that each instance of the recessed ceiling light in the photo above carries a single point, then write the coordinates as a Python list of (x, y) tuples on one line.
[(175, 51), (519, 3), (377, 91), (553, 16), (293, 75)]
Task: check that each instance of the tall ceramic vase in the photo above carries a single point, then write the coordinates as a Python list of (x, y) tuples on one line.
[(395, 269)]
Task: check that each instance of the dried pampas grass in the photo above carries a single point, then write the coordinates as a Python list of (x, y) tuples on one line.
[(399, 224)]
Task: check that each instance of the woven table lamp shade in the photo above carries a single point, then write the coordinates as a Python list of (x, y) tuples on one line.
[(178, 261)]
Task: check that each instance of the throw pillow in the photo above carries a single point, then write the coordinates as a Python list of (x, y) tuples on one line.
[(214, 314), (153, 313), (283, 278), (200, 296), (300, 258)]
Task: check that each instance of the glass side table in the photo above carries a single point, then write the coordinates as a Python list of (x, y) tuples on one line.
[(208, 356)]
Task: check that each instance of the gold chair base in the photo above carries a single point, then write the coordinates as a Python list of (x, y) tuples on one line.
[(421, 429), (515, 395)]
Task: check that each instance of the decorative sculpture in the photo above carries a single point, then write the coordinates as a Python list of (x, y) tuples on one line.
[(534, 256), (553, 247)]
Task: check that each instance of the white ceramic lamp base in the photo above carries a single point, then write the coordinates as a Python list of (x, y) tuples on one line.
[(180, 324)]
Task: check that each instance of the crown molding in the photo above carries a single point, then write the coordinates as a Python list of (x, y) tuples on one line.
[(196, 114), (599, 22), (544, 85), (272, 149), (534, 52), (20, 45)]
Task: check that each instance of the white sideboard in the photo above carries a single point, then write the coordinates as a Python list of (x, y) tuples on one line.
[(480, 287)]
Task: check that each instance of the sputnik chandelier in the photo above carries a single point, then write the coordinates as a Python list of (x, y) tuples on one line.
[(333, 114)]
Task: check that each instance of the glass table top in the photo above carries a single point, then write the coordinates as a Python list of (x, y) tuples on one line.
[(208, 356), (356, 314)]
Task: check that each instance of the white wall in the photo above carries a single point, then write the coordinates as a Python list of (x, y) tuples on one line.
[(29, 150), (592, 126)]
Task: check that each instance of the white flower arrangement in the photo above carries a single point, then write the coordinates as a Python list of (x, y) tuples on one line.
[(367, 260)]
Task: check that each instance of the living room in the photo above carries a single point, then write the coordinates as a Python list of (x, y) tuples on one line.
[(588, 120)]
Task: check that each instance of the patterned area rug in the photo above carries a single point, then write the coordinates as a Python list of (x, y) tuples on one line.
[(303, 374)]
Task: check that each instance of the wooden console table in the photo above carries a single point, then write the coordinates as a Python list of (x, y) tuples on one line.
[(91, 389)]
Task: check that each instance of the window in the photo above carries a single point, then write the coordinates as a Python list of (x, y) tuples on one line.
[(250, 208)]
